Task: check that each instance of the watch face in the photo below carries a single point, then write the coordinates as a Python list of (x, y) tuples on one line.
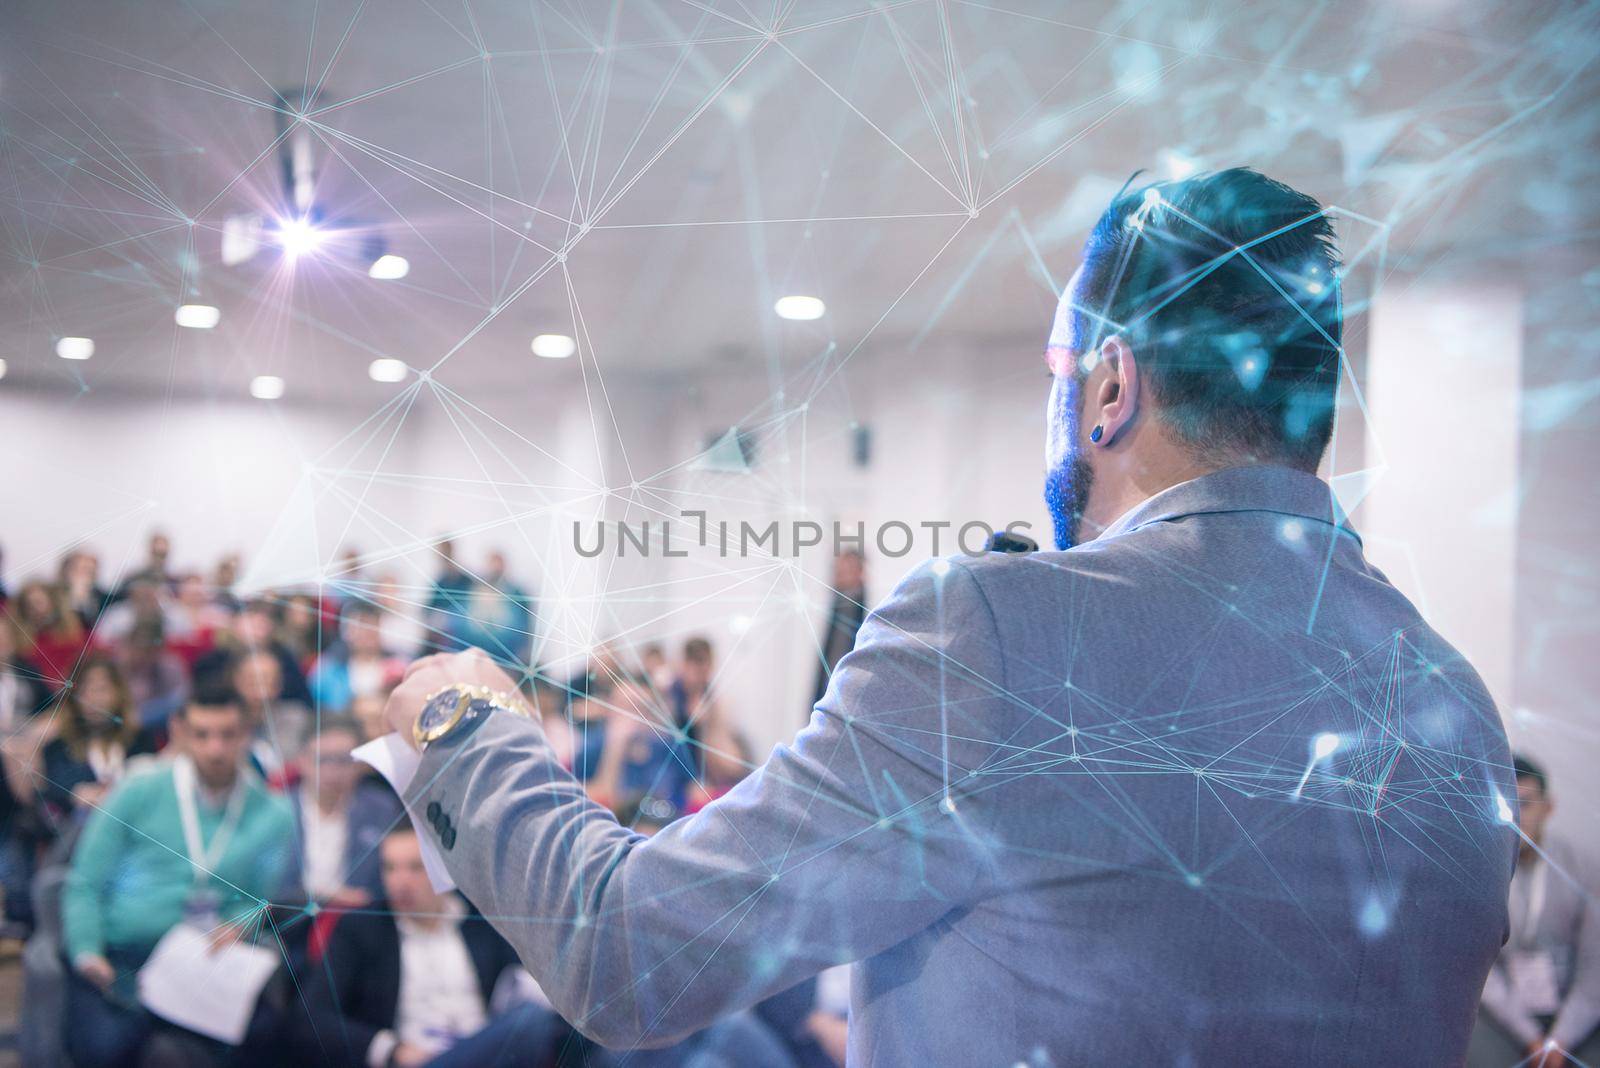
[(440, 713)]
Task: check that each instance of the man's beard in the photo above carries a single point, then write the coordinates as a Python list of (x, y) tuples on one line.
[(1066, 494)]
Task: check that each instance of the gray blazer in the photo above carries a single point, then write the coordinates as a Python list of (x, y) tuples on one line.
[(1062, 808)]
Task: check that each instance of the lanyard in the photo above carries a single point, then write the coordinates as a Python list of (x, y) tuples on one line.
[(1538, 883), (202, 856)]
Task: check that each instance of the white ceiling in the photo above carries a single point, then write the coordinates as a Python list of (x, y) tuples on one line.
[(651, 176)]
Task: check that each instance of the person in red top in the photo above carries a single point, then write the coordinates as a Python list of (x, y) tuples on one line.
[(54, 639)]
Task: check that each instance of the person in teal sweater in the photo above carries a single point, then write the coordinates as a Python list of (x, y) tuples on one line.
[(198, 838)]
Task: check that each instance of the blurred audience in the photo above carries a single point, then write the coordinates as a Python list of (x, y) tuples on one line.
[(499, 616), (847, 609), (196, 840), (153, 570), (447, 600), (53, 638), (356, 665), (420, 981), (80, 586), (278, 727), (1541, 1003), (263, 695), (340, 817), (95, 732)]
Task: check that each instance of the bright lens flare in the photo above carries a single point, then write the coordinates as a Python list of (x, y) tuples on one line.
[(298, 237)]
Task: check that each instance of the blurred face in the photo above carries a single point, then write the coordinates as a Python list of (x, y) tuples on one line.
[(405, 880), (97, 696), (1533, 808), (328, 766), (300, 614), (496, 567), (696, 674), (254, 627), (847, 572), (258, 680), (192, 591), (368, 710), (159, 547), (361, 634), (1068, 475), (37, 608), (215, 739), (81, 569)]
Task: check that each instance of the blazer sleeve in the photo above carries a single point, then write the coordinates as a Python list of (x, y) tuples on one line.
[(868, 829)]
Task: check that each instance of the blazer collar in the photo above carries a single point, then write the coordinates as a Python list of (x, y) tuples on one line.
[(1263, 488)]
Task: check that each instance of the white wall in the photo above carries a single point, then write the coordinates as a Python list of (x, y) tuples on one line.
[(1444, 369)]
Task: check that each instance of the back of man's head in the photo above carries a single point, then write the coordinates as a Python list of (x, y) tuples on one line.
[(1226, 286)]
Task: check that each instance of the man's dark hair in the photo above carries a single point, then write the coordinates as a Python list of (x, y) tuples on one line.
[(1528, 769), (698, 650), (211, 694), (328, 723), (364, 609), (1226, 286)]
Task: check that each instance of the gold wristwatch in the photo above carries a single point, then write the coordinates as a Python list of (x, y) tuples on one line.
[(448, 708)]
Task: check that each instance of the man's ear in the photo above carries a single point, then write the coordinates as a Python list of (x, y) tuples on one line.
[(1117, 401)]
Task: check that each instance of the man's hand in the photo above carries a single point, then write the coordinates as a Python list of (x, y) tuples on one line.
[(96, 969), (1545, 1054), (407, 1056), (228, 934), (430, 674)]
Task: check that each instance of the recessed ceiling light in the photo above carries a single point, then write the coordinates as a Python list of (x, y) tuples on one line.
[(389, 267), (75, 348), (197, 316), (387, 369), (800, 308), (554, 346), (266, 387)]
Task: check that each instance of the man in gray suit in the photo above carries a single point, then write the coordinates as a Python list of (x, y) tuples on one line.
[(1198, 787)]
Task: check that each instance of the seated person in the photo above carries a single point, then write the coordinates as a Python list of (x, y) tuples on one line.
[(197, 839), (414, 983), (340, 815), (97, 732), (812, 1018), (278, 726), (645, 760), (254, 629), (1541, 1002), (721, 757), (357, 664)]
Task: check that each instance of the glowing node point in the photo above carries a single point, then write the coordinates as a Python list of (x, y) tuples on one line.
[(1325, 744), (941, 567), (948, 805)]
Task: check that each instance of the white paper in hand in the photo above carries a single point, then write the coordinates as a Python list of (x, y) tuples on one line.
[(398, 762), (212, 993)]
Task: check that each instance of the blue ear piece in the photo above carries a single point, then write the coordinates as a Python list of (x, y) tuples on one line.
[(1097, 433)]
